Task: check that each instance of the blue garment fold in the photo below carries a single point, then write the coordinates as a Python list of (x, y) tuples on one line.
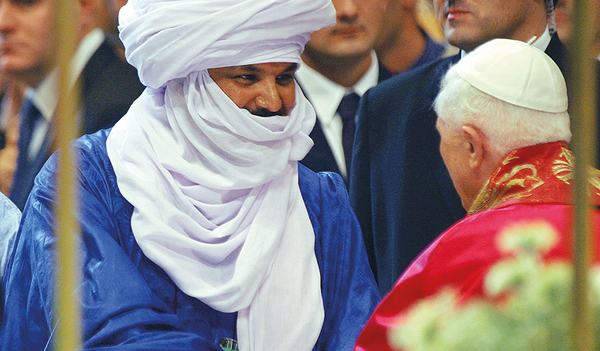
[(130, 303)]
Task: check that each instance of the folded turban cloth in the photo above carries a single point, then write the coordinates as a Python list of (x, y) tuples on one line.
[(169, 39)]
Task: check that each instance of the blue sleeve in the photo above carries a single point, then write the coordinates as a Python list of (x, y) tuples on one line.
[(350, 293), (120, 312)]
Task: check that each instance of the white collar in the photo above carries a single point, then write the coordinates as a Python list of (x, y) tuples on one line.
[(540, 43), (325, 94)]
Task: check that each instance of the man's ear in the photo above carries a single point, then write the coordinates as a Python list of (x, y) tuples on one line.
[(475, 138)]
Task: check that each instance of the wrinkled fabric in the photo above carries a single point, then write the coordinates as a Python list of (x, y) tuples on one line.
[(130, 303)]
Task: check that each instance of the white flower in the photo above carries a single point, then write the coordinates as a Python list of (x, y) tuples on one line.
[(534, 311)]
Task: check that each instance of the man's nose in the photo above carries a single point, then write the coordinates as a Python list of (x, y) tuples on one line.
[(346, 10), (269, 98)]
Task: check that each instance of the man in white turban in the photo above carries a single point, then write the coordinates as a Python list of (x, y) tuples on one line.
[(200, 231)]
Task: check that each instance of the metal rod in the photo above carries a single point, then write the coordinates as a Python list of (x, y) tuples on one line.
[(582, 90), (67, 317)]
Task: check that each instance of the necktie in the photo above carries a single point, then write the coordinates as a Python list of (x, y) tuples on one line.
[(27, 167), (347, 111), (29, 115)]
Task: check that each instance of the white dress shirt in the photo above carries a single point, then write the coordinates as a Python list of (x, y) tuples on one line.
[(326, 95)]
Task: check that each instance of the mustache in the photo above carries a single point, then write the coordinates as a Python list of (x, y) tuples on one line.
[(455, 5), (263, 112)]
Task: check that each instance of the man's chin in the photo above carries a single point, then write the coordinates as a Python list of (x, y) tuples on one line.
[(20, 69), (462, 40)]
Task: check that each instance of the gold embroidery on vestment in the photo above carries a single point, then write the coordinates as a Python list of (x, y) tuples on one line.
[(492, 197), (563, 168)]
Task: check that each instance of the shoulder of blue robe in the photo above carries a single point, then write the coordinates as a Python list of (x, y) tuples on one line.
[(348, 285), (128, 302), (119, 306)]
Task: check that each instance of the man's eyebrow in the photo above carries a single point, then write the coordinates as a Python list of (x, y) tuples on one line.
[(250, 68), (292, 67), (253, 68)]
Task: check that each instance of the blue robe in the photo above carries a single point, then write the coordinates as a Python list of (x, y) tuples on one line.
[(130, 303)]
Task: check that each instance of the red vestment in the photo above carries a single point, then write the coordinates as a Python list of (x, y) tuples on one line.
[(531, 184)]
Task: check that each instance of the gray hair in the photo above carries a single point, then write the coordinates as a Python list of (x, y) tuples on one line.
[(507, 126)]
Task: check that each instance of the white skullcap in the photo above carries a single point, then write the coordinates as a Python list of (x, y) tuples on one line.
[(517, 73), (167, 39)]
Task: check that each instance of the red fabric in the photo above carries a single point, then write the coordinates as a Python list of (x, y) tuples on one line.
[(462, 255)]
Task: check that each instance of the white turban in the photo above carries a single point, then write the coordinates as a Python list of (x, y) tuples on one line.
[(169, 39), (214, 188)]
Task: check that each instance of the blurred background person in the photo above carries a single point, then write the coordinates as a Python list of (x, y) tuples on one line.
[(11, 97), (339, 66), (108, 19), (564, 26), (407, 36), (27, 49)]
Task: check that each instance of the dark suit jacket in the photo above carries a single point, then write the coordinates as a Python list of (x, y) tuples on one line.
[(108, 87), (320, 157), (399, 186)]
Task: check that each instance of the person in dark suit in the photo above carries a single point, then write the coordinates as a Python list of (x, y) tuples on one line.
[(399, 185), (108, 84), (339, 66)]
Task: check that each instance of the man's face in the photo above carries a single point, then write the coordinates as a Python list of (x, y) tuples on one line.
[(358, 23), (454, 149), (469, 23), (265, 89), (26, 39)]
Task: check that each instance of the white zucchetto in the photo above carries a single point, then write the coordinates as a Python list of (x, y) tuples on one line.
[(515, 72)]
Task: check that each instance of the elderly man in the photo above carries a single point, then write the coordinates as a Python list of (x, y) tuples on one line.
[(400, 188), (200, 231), (504, 127)]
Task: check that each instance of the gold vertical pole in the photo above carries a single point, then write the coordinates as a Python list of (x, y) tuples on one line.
[(67, 316), (582, 90)]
